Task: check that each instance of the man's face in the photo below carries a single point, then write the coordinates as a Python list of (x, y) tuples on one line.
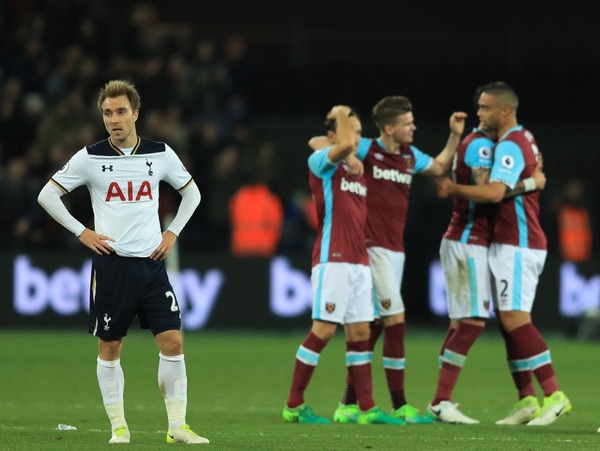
[(119, 119), (402, 131), (356, 128), (489, 112)]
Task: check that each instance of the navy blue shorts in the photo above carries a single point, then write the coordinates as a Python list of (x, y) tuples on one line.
[(123, 287)]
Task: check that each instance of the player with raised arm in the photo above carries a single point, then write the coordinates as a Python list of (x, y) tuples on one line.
[(517, 254), (129, 279), (463, 255), (390, 162), (341, 277)]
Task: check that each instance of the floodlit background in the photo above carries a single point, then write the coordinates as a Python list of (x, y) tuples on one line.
[(237, 91)]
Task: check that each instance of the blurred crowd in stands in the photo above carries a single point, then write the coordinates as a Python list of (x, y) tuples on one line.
[(196, 96)]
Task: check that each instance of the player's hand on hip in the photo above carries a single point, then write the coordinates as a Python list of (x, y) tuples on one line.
[(96, 241), (167, 243)]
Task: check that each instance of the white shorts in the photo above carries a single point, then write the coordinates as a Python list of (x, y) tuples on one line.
[(515, 274), (387, 269), (467, 279), (342, 293)]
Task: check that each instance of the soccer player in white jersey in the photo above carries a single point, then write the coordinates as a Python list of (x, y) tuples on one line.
[(341, 277), (517, 254), (390, 162), (122, 174)]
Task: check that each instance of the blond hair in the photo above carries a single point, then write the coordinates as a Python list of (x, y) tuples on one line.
[(116, 88)]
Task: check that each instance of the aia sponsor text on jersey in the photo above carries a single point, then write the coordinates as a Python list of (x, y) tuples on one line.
[(129, 193)]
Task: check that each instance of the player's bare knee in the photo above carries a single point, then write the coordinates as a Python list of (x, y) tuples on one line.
[(392, 320), (513, 319), (479, 322), (109, 349), (170, 342), (358, 332)]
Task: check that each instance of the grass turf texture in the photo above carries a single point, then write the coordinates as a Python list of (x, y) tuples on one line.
[(238, 384)]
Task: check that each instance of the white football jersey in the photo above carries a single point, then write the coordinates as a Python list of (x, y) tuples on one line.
[(124, 190)]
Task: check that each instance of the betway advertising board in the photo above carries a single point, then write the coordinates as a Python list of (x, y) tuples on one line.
[(51, 290)]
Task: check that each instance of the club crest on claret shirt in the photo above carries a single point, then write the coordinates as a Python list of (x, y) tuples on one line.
[(408, 161)]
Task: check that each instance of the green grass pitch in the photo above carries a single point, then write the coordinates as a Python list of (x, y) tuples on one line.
[(238, 383)]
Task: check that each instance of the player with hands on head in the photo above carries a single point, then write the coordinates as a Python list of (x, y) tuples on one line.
[(129, 278), (390, 161), (341, 277)]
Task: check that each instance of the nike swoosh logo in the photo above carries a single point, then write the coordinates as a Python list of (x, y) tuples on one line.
[(560, 411), (436, 412)]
